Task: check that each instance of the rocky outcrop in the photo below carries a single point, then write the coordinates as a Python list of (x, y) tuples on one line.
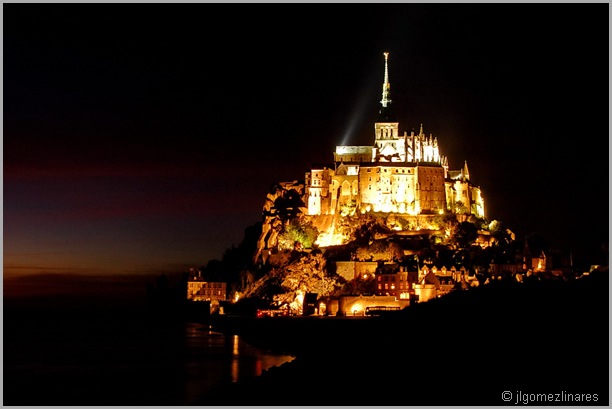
[(284, 201)]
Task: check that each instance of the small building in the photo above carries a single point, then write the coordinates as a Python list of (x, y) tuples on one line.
[(395, 280), (200, 290), (310, 306)]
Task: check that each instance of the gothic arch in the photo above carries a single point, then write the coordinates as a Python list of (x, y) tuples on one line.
[(346, 188)]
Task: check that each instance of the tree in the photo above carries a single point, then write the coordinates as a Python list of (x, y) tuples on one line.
[(500, 232), (298, 230), (361, 285), (288, 204), (306, 275), (465, 234), (460, 208), (381, 250)]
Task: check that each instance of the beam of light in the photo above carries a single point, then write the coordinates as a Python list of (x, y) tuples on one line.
[(355, 121), (361, 106)]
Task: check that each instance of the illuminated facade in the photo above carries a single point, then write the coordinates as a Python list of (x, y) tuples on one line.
[(401, 173), (421, 285), (399, 284), (200, 290)]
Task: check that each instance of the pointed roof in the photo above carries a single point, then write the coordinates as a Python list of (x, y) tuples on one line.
[(386, 114), (466, 172)]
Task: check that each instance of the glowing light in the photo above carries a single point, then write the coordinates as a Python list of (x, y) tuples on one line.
[(299, 297), (296, 306), (235, 345), (357, 309), (331, 238)]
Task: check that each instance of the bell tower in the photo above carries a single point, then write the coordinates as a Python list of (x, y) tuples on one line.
[(389, 146)]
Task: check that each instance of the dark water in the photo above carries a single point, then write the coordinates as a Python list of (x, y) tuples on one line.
[(120, 358)]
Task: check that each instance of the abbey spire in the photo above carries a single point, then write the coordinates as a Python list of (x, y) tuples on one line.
[(386, 86), (385, 113)]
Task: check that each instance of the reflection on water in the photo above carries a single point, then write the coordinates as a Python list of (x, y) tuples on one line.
[(244, 360), (123, 362), (236, 353)]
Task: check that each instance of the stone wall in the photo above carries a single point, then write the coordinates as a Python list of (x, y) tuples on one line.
[(425, 291), (351, 269), (349, 305)]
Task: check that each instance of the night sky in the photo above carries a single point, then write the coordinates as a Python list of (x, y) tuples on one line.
[(143, 138)]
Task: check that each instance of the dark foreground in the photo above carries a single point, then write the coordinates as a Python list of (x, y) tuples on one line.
[(475, 347)]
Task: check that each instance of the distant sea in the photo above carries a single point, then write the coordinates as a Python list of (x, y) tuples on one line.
[(68, 352)]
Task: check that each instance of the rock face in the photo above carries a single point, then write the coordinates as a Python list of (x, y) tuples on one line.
[(282, 202)]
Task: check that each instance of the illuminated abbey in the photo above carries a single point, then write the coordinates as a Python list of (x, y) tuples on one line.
[(403, 174), (402, 177)]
